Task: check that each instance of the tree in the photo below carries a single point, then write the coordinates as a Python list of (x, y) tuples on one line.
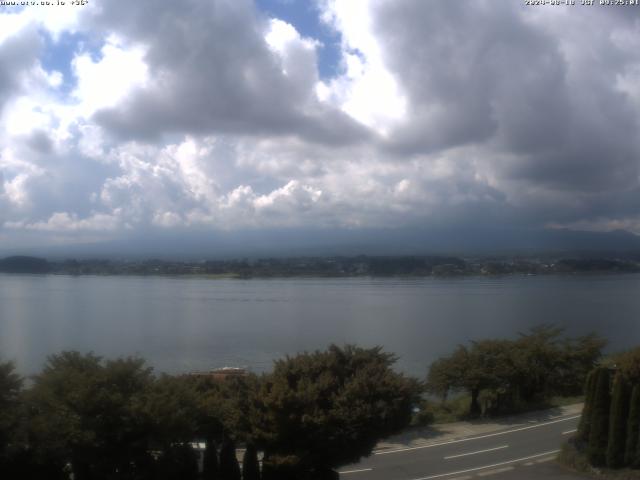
[(250, 465), (618, 422), (325, 409), (633, 429), (210, 467), (171, 406), (579, 357), (585, 418), (10, 390), (10, 418), (598, 434), (87, 412), (178, 462), (540, 359), (629, 364), (530, 369), (445, 374), (229, 468)]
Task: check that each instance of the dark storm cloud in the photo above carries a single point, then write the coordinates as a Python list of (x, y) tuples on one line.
[(17, 54), (465, 67), (212, 71), (481, 114), (539, 91)]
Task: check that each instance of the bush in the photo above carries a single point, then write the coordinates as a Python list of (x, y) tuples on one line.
[(631, 457), (618, 422), (423, 415), (331, 408), (599, 431), (250, 465)]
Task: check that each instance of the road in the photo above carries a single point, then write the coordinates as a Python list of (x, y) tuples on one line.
[(522, 451)]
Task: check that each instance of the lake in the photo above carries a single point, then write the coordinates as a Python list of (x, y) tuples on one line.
[(185, 324)]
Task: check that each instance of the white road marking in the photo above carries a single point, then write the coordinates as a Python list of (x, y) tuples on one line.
[(476, 438), (543, 460), (355, 471), (569, 432), (497, 470), (517, 460), (476, 453)]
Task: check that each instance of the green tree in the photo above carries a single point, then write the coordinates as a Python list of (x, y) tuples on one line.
[(445, 373), (579, 357), (87, 412), (325, 409), (540, 359), (598, 433), (585, 418), (177, 462), (633, 429), (487, 365), (629, 364), (229, 467), (250, 465), (172, 409), (528, 370), (11, 419), (10, 390), (618, 422), (210, 467)]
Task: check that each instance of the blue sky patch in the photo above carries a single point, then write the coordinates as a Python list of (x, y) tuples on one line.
[(58, 55), (304, 16)]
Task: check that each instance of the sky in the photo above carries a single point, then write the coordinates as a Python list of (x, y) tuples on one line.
[(202, 119)]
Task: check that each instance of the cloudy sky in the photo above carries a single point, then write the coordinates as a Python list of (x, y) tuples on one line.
[(197, 117)]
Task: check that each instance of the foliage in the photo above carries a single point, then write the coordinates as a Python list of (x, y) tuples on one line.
[(330, 408), (585, 423), (250, 465), (172, 409), (628, 363), (500, 375), (598, 433), (210, 467), (423, 415), (633, 429), (88, 411), (177, 462), (229, 468), (10, 390), (618, 422)]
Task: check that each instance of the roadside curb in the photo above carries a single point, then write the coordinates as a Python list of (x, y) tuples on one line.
[(450, 432)]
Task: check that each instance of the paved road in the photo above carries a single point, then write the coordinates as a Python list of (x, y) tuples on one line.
[(524, 451)]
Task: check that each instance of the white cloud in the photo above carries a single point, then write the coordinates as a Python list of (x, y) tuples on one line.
[(367, 90), (208, 115), (107, 81)]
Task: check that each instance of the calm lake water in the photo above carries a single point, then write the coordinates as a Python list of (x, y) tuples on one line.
[(183, 324)]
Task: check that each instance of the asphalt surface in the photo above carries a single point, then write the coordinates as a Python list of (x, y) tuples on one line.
[(525, 451)]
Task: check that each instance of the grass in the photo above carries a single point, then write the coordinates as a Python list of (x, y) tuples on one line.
[(457, 408), (572, 458)]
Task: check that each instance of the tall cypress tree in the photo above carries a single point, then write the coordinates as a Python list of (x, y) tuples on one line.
[(585, 419), (210, 470), (618, 422), (250, 465), (599, 430), (229, 467), (633, 429)]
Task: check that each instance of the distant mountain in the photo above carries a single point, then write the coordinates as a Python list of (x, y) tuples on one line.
[(22, 264), (453, 241)]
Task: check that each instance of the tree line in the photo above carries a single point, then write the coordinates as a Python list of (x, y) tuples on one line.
[(87, 418), (503, 376)]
